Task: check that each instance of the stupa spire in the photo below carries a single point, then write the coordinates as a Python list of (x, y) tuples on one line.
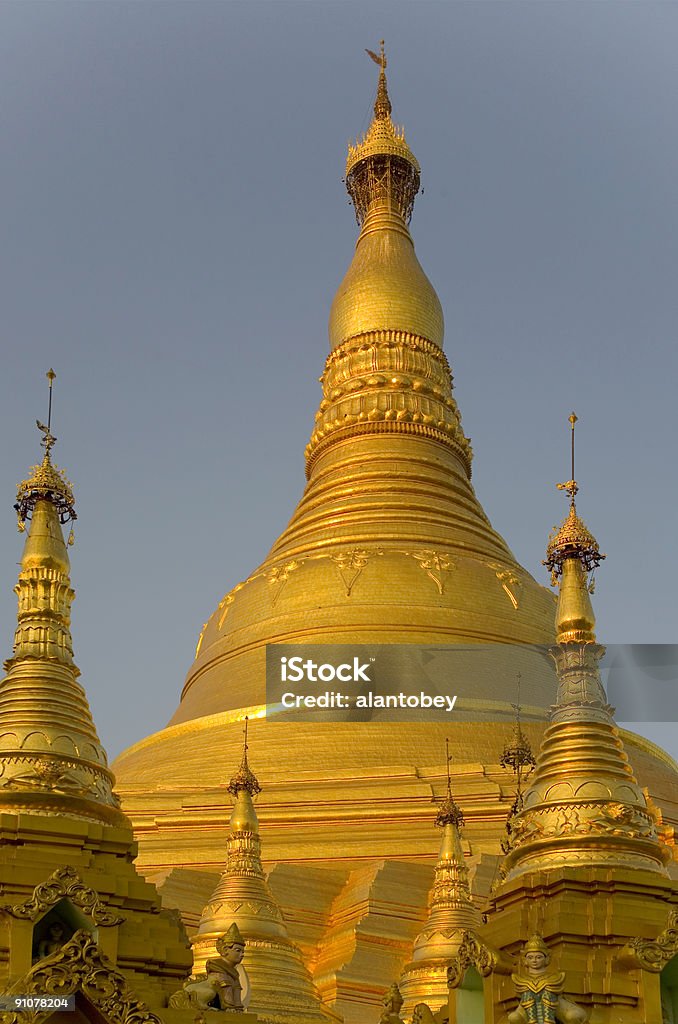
[(51, 760), (583, 801), (450, 912), (382, 104), (281, 985), (572, 556)]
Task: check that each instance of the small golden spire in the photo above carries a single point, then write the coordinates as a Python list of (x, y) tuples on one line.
[(244, 778), (518, 758), (451, 912), (51, 759), (243, 906)]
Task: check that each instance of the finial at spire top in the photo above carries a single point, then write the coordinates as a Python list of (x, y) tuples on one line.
[(46, 482), (244, 778), (382, 104), (449, 812), (48, 440), (381, 166), (572, 540), (570, 486)]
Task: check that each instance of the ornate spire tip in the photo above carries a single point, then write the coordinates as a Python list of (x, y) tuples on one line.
[(244, 778), (449, 812), (46, 482), (572, 539)]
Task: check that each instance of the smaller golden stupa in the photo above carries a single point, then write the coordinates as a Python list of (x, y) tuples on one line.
[(282, 988), (451, 911), (76, 920), (585, 880)]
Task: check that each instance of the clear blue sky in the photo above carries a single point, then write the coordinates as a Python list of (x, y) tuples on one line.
[(174, 227)]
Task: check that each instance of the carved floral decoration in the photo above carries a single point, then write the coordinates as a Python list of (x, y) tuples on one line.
[(64, 883)]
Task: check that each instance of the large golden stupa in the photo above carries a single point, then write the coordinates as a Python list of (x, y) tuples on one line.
[(389, 544)]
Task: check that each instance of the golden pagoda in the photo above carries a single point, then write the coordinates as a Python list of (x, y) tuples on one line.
[(451, 912), (282, 989), (585, 878), (76, 920), (389, 544)]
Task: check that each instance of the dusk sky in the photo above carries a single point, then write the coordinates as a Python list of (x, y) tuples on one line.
[(174, 227)]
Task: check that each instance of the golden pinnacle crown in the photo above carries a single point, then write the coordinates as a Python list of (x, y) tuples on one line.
[(572, 539), (381, 165), (449, 812), (46, 481), (244, 778)]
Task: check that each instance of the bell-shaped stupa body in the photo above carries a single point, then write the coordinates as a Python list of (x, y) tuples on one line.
[(389, 544)]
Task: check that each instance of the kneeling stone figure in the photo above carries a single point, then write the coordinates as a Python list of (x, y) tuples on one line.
[(221, 987)]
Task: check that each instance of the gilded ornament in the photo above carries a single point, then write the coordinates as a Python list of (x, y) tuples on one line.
[(51, 760), (244, 778), (654, 954), (583, 803), (80, 966), (226, 602), (64, 883), (572, 540), (350, 565), (278, 576), (511, 583), (473, 952), (434, 564), (200, 639)]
